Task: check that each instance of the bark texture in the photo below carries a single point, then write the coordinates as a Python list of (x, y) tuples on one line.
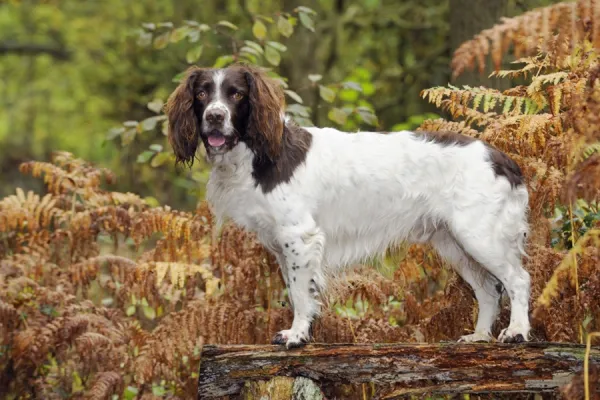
[(409, 368)]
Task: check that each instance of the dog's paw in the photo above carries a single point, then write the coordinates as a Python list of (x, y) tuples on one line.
[(291, 339), (280, 337), (476, 337), (515, 334)]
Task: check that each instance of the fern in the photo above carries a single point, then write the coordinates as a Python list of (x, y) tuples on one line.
[(531, 32)]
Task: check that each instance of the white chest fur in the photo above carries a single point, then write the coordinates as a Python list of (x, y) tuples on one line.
[(233, 193)]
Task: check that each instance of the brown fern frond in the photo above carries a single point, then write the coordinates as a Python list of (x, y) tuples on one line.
[(567, 266), (28, 212), (440, 124), (105, 385), (529, 32), (179, 272), (585, 180), (476, 98), (9, 316), (83, 273), (67, 174)]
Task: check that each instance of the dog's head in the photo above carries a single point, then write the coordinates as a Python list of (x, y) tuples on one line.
[(223, 107)]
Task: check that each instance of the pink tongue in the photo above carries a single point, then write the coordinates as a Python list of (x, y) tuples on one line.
[(216, 141)]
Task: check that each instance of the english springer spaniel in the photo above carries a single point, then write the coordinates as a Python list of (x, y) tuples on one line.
[(320, 199)]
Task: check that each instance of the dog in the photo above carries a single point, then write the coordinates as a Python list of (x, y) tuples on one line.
[(320, 199)]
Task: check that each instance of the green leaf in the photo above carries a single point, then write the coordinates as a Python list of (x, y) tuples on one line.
[(143, 157), (179, 77), (130, 393), (179, 34), (277, 46), (193, 36), (297, 109), (149, 123), (128, 136), (305, 10), (149, 312), (155, 105), (194, 54), (272, 56), (352, 85), (165, 25), (158, 391), (250, 50), (223, 61), (254, 45), (326, 93), (265, 18), (285, 26), (294, 96), (348, 95), (337, 115), (161, 41), (315, 77), (307, 21), (259, 30), (249, 57), (368, 117), (130, 124), (144, 39), (165, 127), (227, 24), (156, 147), (160, 159), (114, 132), (130, 310)]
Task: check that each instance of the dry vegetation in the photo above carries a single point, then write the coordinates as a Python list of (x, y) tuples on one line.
[(103, 295)]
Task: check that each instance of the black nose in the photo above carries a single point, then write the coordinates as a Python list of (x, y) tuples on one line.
[(215, 116)]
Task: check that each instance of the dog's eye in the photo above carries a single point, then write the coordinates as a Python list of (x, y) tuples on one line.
[(202, 95), (237, 96)]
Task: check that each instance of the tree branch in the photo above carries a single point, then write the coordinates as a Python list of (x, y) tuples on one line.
[(409, 368), (34, 49)]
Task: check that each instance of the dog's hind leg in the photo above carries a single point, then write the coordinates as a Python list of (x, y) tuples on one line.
[(496, 240), (488, 290)]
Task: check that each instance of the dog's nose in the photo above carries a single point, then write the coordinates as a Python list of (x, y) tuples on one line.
[(215, 116)]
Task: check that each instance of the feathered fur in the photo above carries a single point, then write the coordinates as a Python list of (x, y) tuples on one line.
[(321, 199)]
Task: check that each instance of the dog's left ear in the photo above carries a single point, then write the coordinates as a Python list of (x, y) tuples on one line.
[(184, 128), (265, 124)]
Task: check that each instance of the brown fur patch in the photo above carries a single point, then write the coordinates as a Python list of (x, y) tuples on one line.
[(265, 124), (505, 166), (295, 144), (183, 124)]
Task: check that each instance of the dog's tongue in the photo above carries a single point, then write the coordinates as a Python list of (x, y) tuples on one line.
[(216, 140)]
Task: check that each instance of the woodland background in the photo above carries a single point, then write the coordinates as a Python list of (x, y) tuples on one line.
[(96, 255)]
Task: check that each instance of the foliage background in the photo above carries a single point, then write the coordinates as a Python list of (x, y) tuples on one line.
[(74, 69), (87, 263)]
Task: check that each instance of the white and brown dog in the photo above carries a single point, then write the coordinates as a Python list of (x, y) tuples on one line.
[(321, 199)]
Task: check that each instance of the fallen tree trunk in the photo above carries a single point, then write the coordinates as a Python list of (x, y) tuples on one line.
[(408, 368)]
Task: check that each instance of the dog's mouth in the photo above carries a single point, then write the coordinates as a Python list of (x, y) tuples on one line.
[(218, 143), (216, 139)]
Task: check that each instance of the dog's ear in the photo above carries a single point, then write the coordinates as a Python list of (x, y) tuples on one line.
[(265, 122), (184, 127)]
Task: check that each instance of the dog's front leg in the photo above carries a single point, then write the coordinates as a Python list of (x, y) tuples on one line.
[(284, 273), (302, 248)]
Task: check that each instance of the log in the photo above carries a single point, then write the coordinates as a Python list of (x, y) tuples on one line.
[(441, 368)]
